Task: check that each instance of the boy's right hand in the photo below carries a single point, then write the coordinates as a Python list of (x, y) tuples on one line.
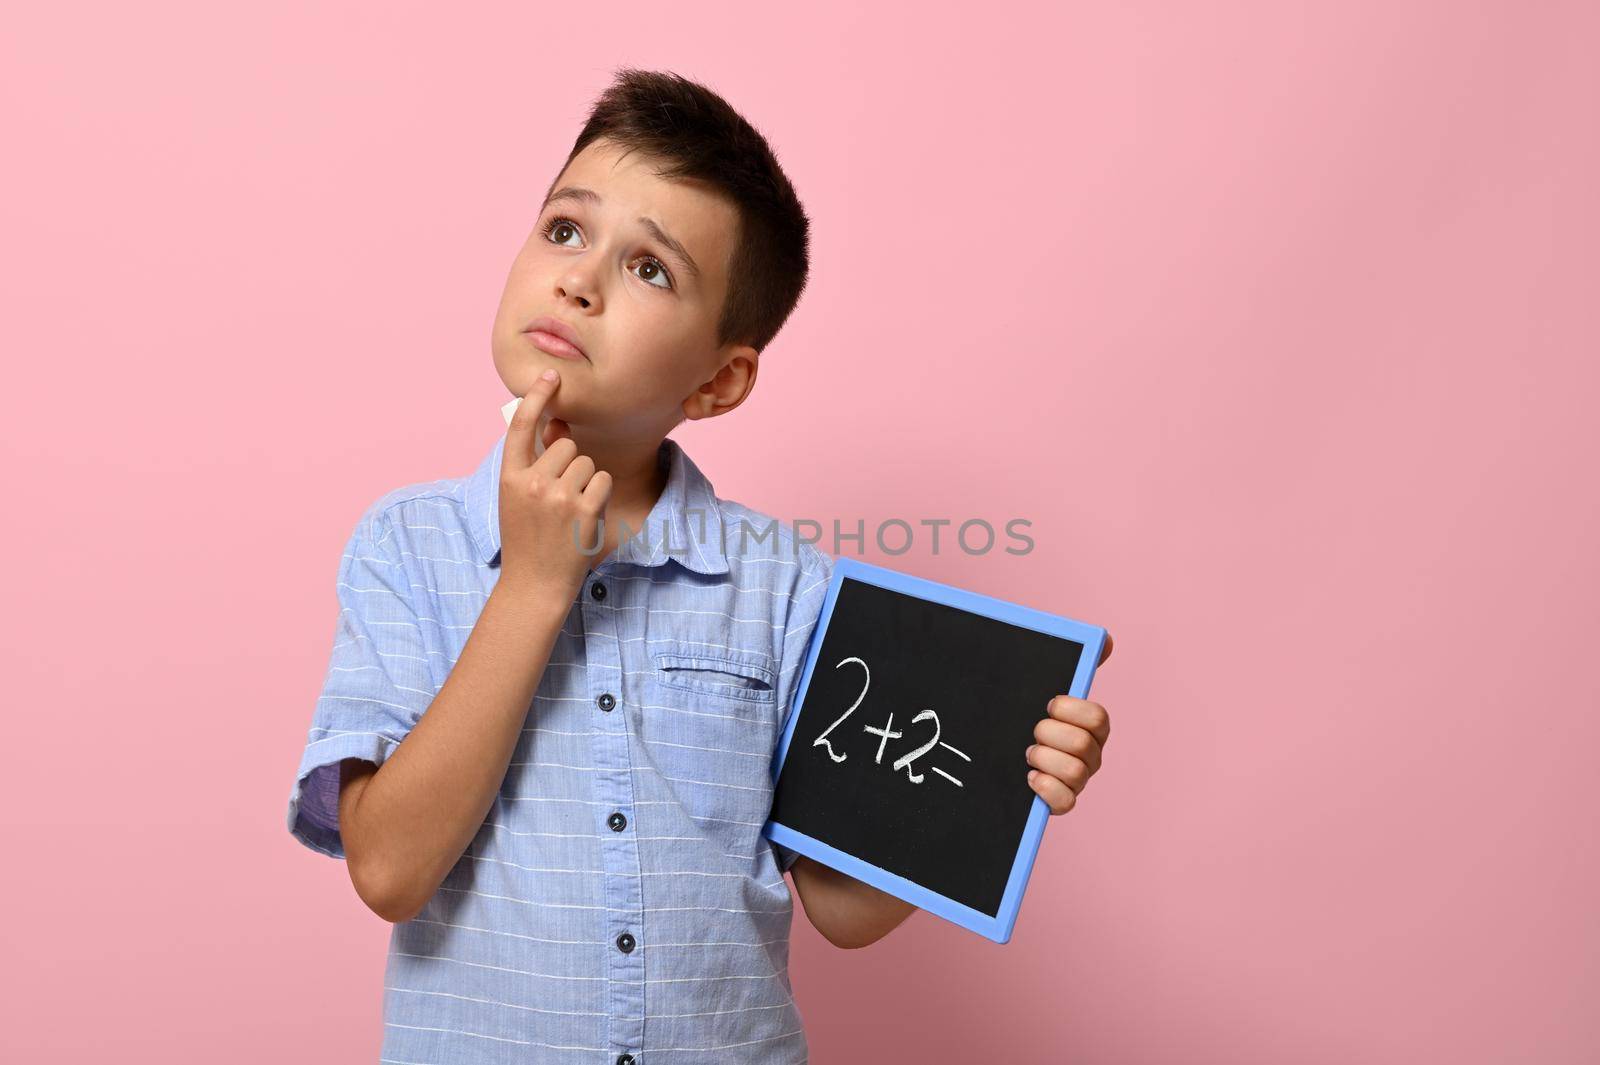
[(544, 499)]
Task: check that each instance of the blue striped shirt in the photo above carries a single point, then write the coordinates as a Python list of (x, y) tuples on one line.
[(619, 898)]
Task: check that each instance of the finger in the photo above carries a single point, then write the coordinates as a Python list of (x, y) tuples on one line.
[(1105, 652), (1091, 716), (554, 460), (593, 491), (1066, 768), (1074, 739), (597, 493), (555, 429), (578, 474), (1056, 795), (519, 453)]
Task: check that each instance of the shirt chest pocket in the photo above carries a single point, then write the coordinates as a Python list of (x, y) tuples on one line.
[(735, 677)]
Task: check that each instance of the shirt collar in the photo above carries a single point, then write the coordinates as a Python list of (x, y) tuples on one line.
[(685, 524)]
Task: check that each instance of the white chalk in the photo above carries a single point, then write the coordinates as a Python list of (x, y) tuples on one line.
[(510, 409)]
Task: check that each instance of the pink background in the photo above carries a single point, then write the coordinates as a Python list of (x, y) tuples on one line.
[(1277, 320)]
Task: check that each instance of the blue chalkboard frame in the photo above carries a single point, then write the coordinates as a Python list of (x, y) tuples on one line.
[(1092, 637)]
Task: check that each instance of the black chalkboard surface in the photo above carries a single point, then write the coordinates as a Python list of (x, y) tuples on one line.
[(903, 762)]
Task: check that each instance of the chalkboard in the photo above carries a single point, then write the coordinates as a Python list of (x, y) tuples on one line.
[(904, 762)]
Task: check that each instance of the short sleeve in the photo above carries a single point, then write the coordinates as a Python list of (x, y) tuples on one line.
[(810, 591), (378, 681)]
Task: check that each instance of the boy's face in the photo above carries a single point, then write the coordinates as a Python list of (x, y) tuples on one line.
[(645, 319)]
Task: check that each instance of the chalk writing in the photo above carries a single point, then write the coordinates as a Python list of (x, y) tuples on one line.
[(887, 733)]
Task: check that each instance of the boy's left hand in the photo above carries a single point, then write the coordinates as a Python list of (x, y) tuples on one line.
[(1068, 748)]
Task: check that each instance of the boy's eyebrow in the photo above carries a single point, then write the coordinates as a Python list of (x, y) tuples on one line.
[(579, 194)]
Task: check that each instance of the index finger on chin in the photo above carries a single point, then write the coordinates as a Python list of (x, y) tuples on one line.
[(520, 453)]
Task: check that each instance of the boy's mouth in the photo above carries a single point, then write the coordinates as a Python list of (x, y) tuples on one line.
[(555, 337), (551, 344)]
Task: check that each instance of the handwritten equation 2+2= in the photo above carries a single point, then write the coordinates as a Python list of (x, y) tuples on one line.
[(885, 734)]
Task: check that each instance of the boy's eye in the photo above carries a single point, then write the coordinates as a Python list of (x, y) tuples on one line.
[(558, 223)]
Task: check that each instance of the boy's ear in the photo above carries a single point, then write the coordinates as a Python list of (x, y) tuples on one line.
[(728, 387)]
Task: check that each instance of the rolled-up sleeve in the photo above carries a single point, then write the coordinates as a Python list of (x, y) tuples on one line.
[(812, 577), (378, 681)]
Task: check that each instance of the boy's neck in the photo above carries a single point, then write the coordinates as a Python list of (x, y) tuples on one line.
[(637, 482)]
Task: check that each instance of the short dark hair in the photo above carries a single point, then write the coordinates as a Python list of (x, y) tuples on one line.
[(698, 136)]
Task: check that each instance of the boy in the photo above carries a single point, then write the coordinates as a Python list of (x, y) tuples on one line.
[(550, 768)]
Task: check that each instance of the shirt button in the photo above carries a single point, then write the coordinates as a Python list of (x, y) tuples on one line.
[(597, 590), (624, 1059), (625, 943), (617, 822), (607, 701)]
